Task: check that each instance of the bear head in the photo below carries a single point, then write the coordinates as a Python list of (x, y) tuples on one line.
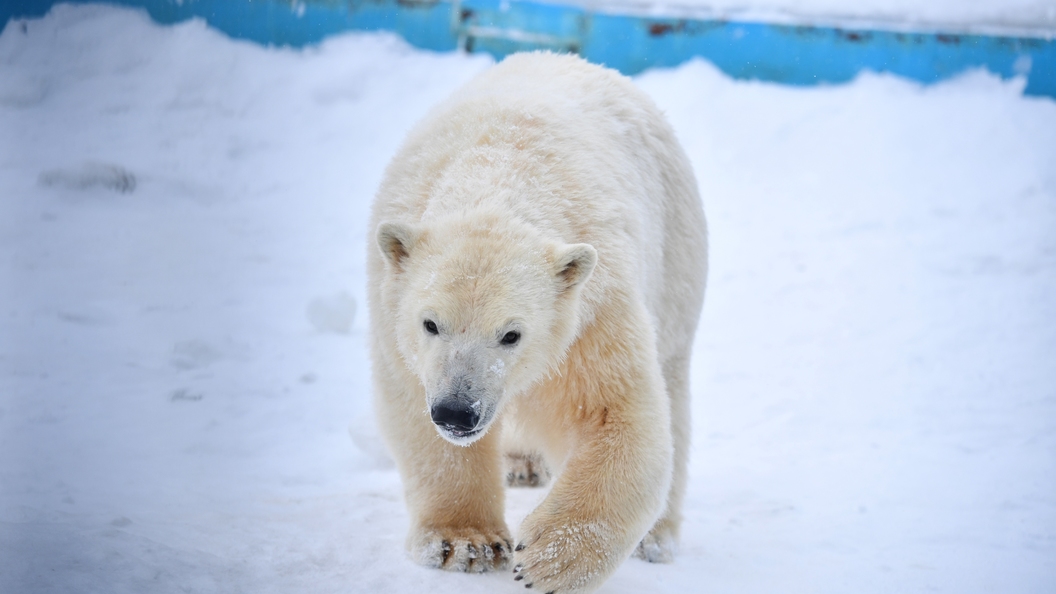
[(484, 307)]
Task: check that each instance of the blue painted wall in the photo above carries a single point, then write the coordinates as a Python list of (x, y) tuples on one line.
[(798, 55)]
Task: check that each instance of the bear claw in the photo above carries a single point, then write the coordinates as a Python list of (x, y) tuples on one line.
[(460, 549)]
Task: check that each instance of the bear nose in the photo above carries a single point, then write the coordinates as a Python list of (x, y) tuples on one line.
[(455, 415)]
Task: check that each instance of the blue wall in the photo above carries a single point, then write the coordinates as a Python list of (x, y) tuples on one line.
[(797, 55)]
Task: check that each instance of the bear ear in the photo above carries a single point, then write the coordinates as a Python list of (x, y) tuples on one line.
[(573, 264), (396, 241)]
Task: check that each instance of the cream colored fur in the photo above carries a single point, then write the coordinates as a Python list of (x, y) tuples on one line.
[(549, 201)]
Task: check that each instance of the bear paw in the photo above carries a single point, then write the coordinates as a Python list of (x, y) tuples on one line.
[(568, 558), (526, 470), (658, 546), (462, 549)]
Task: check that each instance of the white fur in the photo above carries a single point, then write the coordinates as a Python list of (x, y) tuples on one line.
[(548, 199)]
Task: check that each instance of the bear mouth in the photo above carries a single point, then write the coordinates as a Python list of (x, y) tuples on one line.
[(461, 434), (458, 436)]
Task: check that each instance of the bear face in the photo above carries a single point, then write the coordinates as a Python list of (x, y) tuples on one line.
[(479, 330)]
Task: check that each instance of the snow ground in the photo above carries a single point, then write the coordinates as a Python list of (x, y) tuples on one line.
[(185, 408)]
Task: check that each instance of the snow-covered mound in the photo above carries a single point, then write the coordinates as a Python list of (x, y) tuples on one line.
[(184, 389)]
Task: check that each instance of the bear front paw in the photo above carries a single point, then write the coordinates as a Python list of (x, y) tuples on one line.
[(462, 549), (572, 557)]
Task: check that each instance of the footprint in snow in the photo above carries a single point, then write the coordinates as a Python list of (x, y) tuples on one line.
[(90, 175)]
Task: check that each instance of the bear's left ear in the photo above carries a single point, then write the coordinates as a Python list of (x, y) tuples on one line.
[(396, 241), (573, 264)]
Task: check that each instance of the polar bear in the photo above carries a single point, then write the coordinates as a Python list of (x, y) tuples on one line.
[(538, 271)]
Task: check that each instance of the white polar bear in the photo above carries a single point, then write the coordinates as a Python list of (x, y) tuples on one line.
[(540, 264)]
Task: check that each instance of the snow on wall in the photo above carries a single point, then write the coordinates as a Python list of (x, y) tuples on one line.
[(949, 15)]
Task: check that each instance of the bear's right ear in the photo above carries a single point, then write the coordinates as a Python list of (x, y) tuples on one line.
[(396, 241), (573, 264)]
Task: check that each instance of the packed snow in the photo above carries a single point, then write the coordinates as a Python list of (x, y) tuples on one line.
[(184, 384)]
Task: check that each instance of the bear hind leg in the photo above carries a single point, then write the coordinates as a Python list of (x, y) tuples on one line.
[(658, 546), (526, 470)]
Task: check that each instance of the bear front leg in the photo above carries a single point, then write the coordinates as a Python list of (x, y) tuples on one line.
[(609, 495), (454, 494)]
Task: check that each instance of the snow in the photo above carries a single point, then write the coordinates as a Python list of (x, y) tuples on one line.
[(1008, 17), (184, 384)]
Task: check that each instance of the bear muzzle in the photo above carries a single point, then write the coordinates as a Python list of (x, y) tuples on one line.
[(457, 418)]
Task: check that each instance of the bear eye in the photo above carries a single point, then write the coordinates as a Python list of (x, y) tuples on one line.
[(430, 327), (510, 338)]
